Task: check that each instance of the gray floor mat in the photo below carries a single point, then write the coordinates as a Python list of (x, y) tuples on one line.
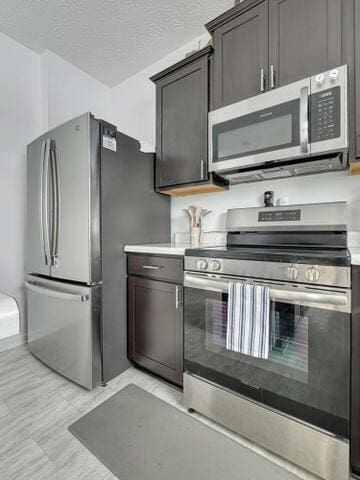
[(140, 437)]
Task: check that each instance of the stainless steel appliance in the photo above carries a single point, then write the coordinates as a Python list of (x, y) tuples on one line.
[(90, 192), (296, 401), (297, 129)]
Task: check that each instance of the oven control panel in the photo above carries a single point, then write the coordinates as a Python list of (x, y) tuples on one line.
[(293, 215), (286, 272)]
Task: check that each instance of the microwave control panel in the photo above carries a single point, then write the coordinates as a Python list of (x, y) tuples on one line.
[(325, 115)]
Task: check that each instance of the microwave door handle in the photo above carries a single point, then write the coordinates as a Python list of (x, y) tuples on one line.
[(334, 299), (304, 120)]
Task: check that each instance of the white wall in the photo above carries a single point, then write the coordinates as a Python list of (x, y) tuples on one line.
[(309, 189), (20, 123), (133, 101), (68, 92), (36, 94)]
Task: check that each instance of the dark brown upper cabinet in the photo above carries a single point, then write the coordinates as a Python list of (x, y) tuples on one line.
[(182, 106), (304, 39), (260, 45), (241, 56)]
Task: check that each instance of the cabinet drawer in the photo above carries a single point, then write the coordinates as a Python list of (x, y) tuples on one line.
[(152, 266)]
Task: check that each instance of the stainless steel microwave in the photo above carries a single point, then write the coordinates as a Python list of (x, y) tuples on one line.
[(297, 129)]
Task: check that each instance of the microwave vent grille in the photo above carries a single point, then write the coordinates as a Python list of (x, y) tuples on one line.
[(276, 173), (307, 169), (241, 178)]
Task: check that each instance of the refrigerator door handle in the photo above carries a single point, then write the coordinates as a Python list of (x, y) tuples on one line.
[(55, 205), (44, 199), (79, 297)]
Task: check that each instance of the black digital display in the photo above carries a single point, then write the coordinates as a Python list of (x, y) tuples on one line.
[(280, 216)]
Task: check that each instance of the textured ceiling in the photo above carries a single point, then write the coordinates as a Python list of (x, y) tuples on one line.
[(109, 39)]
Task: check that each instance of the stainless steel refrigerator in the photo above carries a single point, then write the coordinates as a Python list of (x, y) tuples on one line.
[(90, 192)]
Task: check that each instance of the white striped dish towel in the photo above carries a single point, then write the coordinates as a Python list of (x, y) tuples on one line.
[(248, 321)]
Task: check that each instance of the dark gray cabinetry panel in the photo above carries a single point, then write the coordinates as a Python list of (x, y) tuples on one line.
[(182, 104), (241, 56), (155, 327), (304, 38)]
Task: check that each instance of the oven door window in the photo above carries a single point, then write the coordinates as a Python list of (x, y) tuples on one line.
[(264, 131), (306, 374)]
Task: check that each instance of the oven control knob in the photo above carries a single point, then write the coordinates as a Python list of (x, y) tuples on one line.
[(334, 74), (312, 274), (215, 265), (201, 264), (292, 273), (320, 79)]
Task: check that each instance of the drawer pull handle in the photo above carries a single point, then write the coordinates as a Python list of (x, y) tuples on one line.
[(151, 267)]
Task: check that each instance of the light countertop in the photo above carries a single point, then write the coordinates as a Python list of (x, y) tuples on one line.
[(355, 255), (178, 249), (159, 249), (354, 247)]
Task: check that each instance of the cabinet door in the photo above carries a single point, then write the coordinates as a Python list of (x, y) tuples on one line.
[(155, 327), (182, 108), (304, 38), (241, 56)]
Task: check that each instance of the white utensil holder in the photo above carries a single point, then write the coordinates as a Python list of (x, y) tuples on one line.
[(195, 236)]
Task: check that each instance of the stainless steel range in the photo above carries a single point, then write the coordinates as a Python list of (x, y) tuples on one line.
[(295, 402)]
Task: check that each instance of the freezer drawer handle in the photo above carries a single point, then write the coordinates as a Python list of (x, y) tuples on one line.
[(151, 267), (78, 297)]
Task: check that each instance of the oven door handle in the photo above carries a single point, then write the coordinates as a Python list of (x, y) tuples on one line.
[(318, 297)]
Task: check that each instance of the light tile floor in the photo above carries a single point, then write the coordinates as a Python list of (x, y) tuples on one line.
[(37, 406)]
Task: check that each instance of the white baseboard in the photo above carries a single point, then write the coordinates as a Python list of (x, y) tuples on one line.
[(12, 342)]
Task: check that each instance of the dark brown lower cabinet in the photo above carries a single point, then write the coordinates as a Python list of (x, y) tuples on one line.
[(155, 327)]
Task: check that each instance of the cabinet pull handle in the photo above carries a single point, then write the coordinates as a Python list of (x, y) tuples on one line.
[(178, 296), (151, 267), (272, 77), (262, 80), (202, 170)]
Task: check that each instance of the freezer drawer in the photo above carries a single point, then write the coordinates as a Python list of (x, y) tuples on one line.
[(64, 328)]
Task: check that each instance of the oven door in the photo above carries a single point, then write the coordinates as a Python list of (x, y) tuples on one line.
[(307, 373), (266, 128)]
